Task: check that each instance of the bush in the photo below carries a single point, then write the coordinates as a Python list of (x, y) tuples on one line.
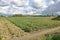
[(57, 18), (56, 37)]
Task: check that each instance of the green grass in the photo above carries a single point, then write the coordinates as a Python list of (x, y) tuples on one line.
[(30, 24), (0, 38), (53, 37), (49, 36)]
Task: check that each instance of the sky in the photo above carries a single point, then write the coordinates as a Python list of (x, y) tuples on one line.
[(25, 6)]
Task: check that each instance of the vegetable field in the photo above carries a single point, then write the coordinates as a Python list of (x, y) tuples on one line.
[(30, 24)]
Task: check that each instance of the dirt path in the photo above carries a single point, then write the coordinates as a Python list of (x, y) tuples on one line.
[(31, 36)]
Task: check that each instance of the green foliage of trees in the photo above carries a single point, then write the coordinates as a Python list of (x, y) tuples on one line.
[(17, 15), (56, 18)]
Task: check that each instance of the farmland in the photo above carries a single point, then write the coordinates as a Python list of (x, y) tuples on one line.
[(30, 24), (36, 28), (9, 30)]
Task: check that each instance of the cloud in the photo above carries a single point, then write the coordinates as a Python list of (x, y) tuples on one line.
[(51, 2), (21, 2), (15, 2), (4, 2), (4, 9), (21, 6), (40, 3), (24, 7), (53, 8)]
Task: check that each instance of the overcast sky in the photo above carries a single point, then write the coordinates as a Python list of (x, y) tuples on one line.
[(23, 6)]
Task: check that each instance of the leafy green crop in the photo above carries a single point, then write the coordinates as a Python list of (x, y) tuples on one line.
[(30, 24)]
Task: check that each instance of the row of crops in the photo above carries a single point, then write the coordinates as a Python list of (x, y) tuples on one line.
[(30, 24)]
